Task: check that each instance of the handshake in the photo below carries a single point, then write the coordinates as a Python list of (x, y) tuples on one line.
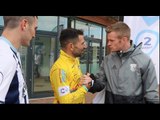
[(87, 80)]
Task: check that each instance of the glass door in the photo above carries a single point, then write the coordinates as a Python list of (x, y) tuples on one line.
[(92, 57), (42, 64), (43, 57)]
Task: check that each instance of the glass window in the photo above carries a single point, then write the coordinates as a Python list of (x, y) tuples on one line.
[(104, 40), (83, 26), (47, 23), (73, 24), (63, 22), (90, 30), (1, 21), (23, 54), (44, 51), (95, 31), (94, 57)]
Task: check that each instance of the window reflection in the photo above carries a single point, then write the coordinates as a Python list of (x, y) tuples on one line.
[(83, 26), (63, 21), (44, 49), (1, 21), (94, 57), (104, 43), (47, 23), (23, 54), (90, 30), (95, 31)]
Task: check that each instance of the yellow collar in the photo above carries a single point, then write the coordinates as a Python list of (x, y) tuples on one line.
[(64, 54)]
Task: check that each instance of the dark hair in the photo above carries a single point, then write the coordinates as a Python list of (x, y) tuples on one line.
[(12, 21), (69, 35)]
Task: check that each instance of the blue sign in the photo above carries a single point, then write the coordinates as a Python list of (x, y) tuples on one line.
[(149, 20), (150, 40)]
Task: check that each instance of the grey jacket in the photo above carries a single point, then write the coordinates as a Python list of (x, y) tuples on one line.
[(129, 74)]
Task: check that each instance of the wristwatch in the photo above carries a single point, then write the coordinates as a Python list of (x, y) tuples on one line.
[(90, 84)]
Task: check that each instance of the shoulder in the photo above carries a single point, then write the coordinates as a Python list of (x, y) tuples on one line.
[(109, 56), (6, 55), (8, 64), (142, 56), (58, 65), (4, 47)]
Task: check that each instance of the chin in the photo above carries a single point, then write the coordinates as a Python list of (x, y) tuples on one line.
[(26, 44), (113, 50)]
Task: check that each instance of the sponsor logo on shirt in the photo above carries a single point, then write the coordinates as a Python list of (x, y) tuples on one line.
[(63, 90)]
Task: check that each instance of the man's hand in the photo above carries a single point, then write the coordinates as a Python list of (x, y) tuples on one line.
[(86, 80)]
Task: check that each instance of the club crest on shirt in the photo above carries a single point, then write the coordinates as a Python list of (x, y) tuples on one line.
[(133, 67)]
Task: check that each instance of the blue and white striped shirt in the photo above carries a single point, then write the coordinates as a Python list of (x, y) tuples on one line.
[(13, 89)]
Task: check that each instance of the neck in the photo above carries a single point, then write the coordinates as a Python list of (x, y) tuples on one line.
[(126, 47), (68, 52), (13, 37)]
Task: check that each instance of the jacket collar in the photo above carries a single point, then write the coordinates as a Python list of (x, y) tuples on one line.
[(66, 56)]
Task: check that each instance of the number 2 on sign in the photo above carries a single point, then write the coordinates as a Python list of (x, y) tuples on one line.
[(148, 40)]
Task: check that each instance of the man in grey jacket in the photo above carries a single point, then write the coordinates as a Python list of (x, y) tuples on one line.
[(127, 73)]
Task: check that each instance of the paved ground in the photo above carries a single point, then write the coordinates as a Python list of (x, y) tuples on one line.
[(49, 100)]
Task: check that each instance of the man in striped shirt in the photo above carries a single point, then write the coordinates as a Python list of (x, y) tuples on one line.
[(18, 31)]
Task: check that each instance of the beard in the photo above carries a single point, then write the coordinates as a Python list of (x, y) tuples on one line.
[(78, 53)]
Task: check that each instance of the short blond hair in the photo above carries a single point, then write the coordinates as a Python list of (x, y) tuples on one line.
[(121, 28), (13, 21)]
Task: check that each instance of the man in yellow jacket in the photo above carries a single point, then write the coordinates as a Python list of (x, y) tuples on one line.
[(65, 75)]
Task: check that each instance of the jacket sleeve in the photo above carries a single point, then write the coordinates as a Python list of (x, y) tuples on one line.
[(99, 80), (61, 89), (150, 84)]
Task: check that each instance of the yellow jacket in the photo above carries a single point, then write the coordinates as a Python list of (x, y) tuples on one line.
[(65, 76)]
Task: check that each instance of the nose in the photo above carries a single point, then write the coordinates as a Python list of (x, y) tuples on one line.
[(108, 44), (33, 36), (85, 45)]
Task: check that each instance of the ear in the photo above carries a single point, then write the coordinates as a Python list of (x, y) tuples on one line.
[(23, 24), (71, 46)]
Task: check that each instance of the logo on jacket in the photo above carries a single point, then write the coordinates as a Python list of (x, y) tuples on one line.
[(133, 67)]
